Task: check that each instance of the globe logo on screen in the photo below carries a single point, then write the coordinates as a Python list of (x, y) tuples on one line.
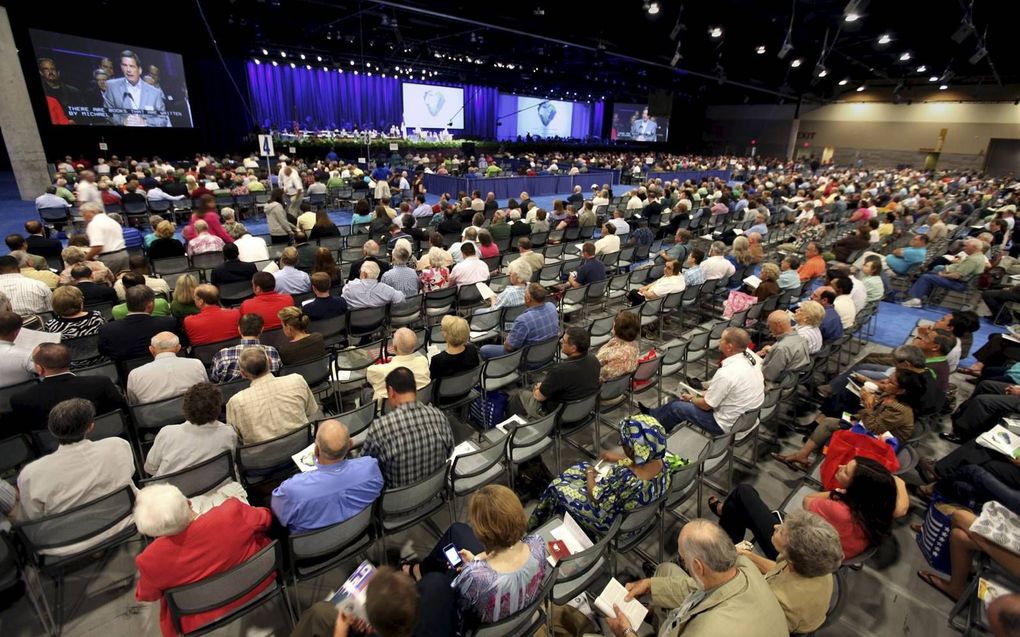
[(434, 101), (546, 112)]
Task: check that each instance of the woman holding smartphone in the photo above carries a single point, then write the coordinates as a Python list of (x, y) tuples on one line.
[(494, 567)]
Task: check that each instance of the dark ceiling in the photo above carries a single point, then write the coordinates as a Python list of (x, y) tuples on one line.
[(581, 49)]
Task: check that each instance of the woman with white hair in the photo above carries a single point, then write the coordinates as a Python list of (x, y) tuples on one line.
[(513, 294), (189, 548), (72, 256), (801, 576)]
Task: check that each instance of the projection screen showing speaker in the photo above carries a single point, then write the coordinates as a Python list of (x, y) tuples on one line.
[(433, 106), (543, 118)]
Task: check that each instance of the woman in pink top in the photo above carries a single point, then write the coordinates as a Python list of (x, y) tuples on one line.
[(863, 508), (207, 213)]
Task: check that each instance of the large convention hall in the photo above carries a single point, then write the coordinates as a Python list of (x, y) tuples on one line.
[(350, 318)]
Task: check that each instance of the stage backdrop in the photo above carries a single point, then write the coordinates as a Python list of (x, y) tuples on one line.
[(585, 118), (320, 99)]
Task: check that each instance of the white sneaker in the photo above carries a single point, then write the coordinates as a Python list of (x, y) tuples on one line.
[(912, 303)]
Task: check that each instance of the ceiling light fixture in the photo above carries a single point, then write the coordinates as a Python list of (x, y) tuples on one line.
[(922, 69), (844, 81), (822, 72), (653, 8), (904, 56), (851, 16), (796, 62), (978, 55), (258, 61), (302, 56), (933, 78), (265, 52), (760, 50), (275, 63), (715, 32), (283, 54), (885, 38), (860, 89), (318, 58), (943, 87)]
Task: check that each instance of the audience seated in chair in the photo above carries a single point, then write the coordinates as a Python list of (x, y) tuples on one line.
[(271, 406), (225, 362), (267, 302), (78, 472), (540, 322), (56, 384), (721, 592), (190, 548), (575, 376), (130, 337), (412, 441), (738, 386), (232, 270), (168, 375), (338, 489)]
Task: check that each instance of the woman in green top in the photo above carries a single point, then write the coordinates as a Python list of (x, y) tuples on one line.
[(184, 297), (635, 478)]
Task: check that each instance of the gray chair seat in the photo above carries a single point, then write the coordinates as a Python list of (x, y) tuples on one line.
[(467, 485)]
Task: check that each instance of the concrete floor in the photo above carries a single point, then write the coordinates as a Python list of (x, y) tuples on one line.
[(886, 598)]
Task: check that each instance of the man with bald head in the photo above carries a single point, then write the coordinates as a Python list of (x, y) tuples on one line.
[(790, 351), (167, 375), (404, 345), (737, 387), (370, 252), (719, 593), (336, 490)]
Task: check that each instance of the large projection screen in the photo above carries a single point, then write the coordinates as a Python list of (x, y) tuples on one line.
[(543, 118), (428, 106), (95, 83)]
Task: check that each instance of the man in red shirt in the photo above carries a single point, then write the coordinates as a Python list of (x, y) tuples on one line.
[(190, 548), (267, 301), (212, 323)]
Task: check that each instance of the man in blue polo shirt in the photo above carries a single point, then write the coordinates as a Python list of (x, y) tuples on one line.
[(591, 269), (902, 259), (336, 490), (538, 323)]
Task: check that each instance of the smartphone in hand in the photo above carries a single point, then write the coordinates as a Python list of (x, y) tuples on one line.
[(452, 556)]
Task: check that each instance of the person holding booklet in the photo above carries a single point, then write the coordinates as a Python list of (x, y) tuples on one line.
[(720, 593), (973, 474), (632, 479), (493, 566)]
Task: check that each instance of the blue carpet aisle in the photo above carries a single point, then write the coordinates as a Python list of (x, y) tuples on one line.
[(894, 322)]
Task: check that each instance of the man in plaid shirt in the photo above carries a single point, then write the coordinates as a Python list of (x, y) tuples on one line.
[(225, 367), (413, 440)]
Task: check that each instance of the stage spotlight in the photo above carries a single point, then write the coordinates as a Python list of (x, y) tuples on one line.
[(355, 72), (933, 78), (283, 54), (844, 81), (822, 72), (258, 61), (653, 8), (922, 69), (885, 38), (308, 66), (760, 50), (293, 66), (318, 58), (265, 52), (943, 87), (302, 56), (796, 62), (860, 89), (715, 32), (275, 63), (851, 16), (904, 56)]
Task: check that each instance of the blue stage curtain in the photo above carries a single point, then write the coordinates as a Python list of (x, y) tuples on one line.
[(598, 119), (506, 116), (320, 99), (480, 106), (580, 121)]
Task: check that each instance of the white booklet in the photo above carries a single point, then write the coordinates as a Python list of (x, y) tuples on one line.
[(485, 291), (752, 282), (614, 593), (305, 459), (350, 597), (1000, 439), (572, 536), (687, 389)]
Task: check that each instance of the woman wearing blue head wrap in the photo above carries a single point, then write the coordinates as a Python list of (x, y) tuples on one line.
[(595, 498)]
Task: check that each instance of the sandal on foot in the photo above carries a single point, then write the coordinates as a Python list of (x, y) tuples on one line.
[(930, 579), (796, 465)]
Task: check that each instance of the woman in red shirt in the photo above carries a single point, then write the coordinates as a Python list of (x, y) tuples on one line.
[(190, 548)]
